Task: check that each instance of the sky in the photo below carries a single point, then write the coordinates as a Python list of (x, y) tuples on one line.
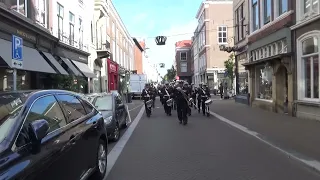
[(148, 19)]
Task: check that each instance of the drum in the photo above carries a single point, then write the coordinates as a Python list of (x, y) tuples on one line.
[(169, 102), (208, 102), (149, 103)]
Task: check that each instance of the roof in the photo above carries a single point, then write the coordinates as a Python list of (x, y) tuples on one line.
[(184, 44)]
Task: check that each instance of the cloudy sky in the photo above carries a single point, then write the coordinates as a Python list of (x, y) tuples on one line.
[(148, 19)]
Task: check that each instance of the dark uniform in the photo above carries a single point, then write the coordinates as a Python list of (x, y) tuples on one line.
[(160, 93), (205, 94), (199, 94), (194, 95), (146, 97), (167, 92), (181, 95), (153, 93), (187, 90)]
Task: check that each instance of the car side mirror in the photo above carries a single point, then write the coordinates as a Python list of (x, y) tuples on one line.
[(38, 130)]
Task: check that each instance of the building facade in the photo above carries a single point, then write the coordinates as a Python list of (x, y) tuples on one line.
[(138, 56), (241, 28), (183, 58), (122, 49), (270, 59), (306, 32), (213, 31), (60, 63)]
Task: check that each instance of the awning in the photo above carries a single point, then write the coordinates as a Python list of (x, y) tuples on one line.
[(268, 59), (84, 69), (55, 63), (71, 66), (32, 60)]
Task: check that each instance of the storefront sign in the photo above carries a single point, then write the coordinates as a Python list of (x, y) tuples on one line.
[(113, 67), (26, 36)]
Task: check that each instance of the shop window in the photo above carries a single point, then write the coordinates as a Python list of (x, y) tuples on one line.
[(280, 48), (264, 82), (6, 80)]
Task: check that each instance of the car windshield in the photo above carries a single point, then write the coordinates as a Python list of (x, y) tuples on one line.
[(10, 106), (103, 103)]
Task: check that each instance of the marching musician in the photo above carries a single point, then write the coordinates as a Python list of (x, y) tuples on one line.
[(181, 95), (187, 91), (194, 95), (146, 96), (199, 94), (167, 92), (153, 93), (205, 94)]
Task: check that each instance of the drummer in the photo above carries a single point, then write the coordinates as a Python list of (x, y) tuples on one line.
[(205, 96)]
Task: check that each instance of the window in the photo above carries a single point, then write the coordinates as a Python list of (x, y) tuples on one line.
[(264, 82), (41, 12), (310, 6), (237, 26), (104, 103), (308, 75), (242, 26), (60, 15), (72, 107), (283, 6), (113, 50), (47, 108), (183, 67), (71, 28), (87, 106), (222, 35), (255, 15), (183, 56), (91, 32), (80, 33), (267, 11), (20, 6)]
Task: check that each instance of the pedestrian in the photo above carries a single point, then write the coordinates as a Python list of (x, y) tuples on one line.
[(221, 90), (199, 94)]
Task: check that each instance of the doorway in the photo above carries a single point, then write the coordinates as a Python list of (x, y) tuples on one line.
[(282, 90)]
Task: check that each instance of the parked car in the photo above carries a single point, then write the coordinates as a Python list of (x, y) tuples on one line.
[(50, 134), (114, 111)]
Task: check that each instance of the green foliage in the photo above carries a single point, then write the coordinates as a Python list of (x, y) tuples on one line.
[(171, 74), (229, 65)]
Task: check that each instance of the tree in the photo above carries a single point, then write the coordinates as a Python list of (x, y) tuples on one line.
[(229, 65), (171, 74)]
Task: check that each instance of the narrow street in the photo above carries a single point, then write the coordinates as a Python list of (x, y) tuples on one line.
[(206, 149)]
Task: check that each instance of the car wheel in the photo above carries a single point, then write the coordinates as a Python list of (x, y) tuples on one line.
[(101, 162), (116, 133)]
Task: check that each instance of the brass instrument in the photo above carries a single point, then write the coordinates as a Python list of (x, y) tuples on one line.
[(169, 102), (149, 102)]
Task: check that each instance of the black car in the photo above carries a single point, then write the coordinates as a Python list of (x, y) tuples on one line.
[(114, 111), (50, 135)]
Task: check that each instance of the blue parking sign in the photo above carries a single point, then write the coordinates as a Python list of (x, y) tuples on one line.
[(17, 48)]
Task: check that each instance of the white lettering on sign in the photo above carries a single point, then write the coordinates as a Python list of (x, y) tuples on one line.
[(113, 67)]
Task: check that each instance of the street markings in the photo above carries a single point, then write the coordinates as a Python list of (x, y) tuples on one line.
[(135, 107), (314, 164), (117, 149)]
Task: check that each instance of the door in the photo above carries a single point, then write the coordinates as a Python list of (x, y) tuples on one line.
[(81, 153), (52, 155)]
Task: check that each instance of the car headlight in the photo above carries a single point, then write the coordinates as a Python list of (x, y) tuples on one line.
[(108, 120)]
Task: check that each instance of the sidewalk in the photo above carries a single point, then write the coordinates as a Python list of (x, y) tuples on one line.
[(298, 136)]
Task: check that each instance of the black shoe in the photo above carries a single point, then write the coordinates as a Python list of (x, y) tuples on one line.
[(170, 114), (180, 122), (204, 114), (185, 122)]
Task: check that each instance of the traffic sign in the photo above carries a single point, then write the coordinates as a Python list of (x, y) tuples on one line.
[(17, 48)]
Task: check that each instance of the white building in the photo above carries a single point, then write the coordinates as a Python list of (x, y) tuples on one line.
[(68, 24)]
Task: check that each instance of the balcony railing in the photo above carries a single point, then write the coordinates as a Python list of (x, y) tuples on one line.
[(104, 46), (69, 40)]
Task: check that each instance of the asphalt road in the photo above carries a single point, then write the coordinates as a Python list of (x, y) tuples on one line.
[(134, 109), (206, 149)]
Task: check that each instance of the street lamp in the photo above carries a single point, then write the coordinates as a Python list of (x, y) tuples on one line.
[(229, 50)]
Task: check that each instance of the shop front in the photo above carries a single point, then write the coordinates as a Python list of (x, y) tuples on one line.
[(45, 62), (37, 64), (113, 76), (270, 72)]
